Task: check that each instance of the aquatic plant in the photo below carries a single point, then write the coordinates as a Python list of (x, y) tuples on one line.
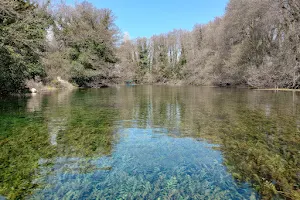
[(175, 172), (264, 151), (24, 140), (152, 143)]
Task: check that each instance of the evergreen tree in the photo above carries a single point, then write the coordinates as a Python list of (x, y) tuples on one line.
[(22, 35), (143, 57)]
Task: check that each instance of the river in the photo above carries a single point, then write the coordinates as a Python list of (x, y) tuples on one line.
[(151, 142)]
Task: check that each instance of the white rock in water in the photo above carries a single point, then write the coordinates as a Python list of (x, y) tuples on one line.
[(33, 90)]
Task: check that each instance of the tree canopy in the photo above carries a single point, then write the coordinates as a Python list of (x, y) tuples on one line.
[(255, 44), (22, 38)]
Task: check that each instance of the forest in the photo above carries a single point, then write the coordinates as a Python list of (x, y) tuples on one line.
[(256, 44)]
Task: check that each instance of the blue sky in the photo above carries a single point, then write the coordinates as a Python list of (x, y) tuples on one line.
[(146, 18)]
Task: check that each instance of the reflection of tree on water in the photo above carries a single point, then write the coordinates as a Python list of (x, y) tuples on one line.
[(34, 103), (54, 127), (76, 128), (258, 131), (257, 134), (23, 141), (258, 148), (87, 136), (57, 113), (264, 151), (150, 107), (80, 132), (50, 105), (56, 131)]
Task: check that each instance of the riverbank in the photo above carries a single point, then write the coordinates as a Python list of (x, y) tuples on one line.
[(56, 84), (182, 83), (278, 89)]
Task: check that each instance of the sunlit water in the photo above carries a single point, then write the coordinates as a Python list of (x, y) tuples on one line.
[(151, 142)]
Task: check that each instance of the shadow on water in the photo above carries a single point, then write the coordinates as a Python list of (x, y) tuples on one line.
[(151, 142)]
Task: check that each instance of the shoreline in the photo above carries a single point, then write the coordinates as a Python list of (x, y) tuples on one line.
[(278, 89), (49, 89)]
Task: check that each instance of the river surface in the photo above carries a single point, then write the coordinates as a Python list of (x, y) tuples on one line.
[(151, 142)]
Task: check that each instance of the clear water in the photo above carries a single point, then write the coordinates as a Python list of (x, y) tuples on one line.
[(151, 142)]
